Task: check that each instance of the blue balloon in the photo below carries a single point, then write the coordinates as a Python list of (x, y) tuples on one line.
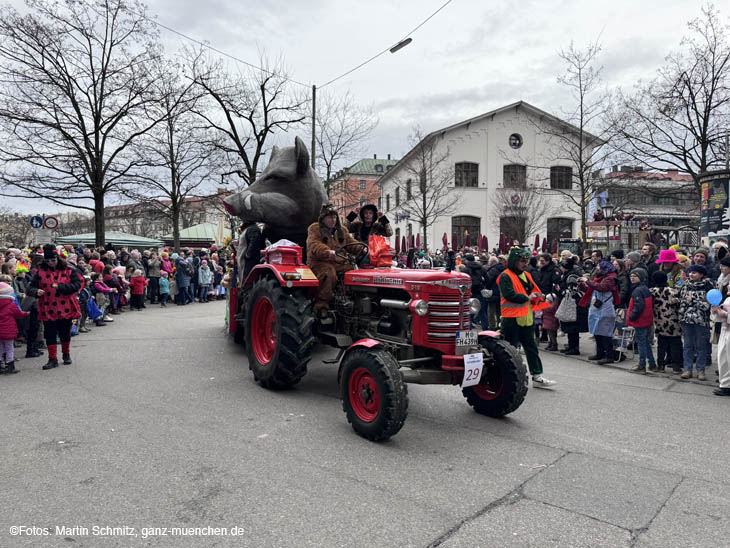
[(714, 297)]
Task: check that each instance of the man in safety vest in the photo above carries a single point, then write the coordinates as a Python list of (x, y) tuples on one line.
[(520, 297)]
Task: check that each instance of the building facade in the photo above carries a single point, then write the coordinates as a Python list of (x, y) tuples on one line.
[(508, 176), (358, 184)]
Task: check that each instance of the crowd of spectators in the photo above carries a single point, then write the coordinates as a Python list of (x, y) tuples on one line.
[(49, 294)]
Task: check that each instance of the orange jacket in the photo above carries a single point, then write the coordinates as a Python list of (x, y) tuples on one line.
[(520, 310)]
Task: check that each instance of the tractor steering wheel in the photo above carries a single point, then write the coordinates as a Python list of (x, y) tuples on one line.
[(349, 256)]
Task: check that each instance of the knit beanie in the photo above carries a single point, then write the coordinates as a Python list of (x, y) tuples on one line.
[(6, 291), (618, 253), (639, 273), (704, 251), (635, 257), (659, 278)]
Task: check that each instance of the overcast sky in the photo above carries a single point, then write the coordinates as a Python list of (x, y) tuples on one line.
[(472, 57)]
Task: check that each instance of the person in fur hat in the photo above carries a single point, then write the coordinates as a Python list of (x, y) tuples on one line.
[(367, 225), (324, 238)]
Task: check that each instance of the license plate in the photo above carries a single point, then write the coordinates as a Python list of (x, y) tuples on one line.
[(466, 338)]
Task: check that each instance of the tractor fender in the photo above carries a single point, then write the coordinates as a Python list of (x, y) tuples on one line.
[(366, 343), (278, 272), (488, 333)]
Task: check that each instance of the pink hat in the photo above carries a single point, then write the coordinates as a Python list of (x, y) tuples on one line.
[(667, 256)]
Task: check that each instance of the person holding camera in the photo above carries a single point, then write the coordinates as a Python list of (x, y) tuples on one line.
[(601, 296)]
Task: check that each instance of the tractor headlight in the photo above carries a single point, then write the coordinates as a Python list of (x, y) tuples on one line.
[(420, 307), (474, 306)]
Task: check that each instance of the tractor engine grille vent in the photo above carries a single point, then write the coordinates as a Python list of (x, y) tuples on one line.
[(446, 316)]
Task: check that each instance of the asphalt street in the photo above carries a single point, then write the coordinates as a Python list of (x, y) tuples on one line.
[(159, 424)]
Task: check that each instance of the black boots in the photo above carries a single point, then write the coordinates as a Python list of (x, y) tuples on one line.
[(9, 369), (50, 365), (32, 351), (67, 359)]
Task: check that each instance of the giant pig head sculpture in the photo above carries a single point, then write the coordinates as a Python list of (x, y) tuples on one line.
[(287, 196)]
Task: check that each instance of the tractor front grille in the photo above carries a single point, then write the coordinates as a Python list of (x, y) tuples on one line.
[(447, 314)]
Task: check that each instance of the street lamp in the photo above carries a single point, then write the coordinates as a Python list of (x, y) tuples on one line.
[(397, 47), (607, 214)]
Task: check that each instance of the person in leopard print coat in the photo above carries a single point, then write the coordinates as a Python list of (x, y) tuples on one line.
[(666, 322)]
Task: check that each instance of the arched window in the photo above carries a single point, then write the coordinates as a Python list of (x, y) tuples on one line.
[(397, 197), (408, 190), (466, 175), (514, 176), (561, 177), (387, 202), (464, 225)]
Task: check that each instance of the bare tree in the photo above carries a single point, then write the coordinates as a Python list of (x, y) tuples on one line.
[(15, 228), (427, 193), (575, 140), (176, 157), (343, 129), (247, 109), (75, 95), (677, 119), (520, 212)]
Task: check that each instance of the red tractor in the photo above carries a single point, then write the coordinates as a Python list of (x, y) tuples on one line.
[(391, 326)]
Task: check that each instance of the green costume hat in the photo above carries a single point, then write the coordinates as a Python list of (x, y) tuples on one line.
[(517, 253)]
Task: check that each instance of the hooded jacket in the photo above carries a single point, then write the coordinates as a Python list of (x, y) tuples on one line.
[(641, 306), (9, 312), (380, 227)]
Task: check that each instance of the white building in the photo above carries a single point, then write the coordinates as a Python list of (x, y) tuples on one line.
[(506, 156)]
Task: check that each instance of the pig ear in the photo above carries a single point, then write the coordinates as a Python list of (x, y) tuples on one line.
[(302, 156)]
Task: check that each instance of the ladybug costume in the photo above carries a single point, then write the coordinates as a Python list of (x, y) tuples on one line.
[(58, 305)]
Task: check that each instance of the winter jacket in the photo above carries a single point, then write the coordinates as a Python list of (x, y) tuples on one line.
[(164, 286), (547, 277), (20, 287), (641, 307), (167, 266), (153, 268), (138, 283), (569, 290), (204, 275), (493, 273), (181, 273), (666, 311), (9, 312), (478, 278), (624, 289), (693, 306), (60, 303)]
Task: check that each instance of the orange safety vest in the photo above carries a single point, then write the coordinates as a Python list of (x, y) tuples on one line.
[(520, 310)]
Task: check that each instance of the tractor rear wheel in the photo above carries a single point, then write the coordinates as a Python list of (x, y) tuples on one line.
[(503, 385), (374, 396), (279, 338)]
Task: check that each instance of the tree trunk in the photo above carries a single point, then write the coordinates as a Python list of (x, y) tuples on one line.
[(425, 220), (99, 219), (176, 227)]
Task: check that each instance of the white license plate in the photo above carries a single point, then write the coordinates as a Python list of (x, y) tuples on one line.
[(466, 338)]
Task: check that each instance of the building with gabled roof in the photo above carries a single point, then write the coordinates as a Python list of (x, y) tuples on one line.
[(499, 156), (357, 185)]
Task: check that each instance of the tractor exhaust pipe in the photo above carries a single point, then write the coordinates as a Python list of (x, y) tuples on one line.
[(393, 303)]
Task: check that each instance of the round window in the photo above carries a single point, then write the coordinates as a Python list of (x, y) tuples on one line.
[(515, 140)]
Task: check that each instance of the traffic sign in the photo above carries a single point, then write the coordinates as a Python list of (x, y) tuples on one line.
[(36, 221), (51, 223)]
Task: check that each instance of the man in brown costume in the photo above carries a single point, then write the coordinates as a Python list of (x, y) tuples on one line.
[(324, 238)]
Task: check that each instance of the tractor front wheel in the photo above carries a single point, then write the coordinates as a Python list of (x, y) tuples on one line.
[(279, 338), (374, 396), (503, 385)]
